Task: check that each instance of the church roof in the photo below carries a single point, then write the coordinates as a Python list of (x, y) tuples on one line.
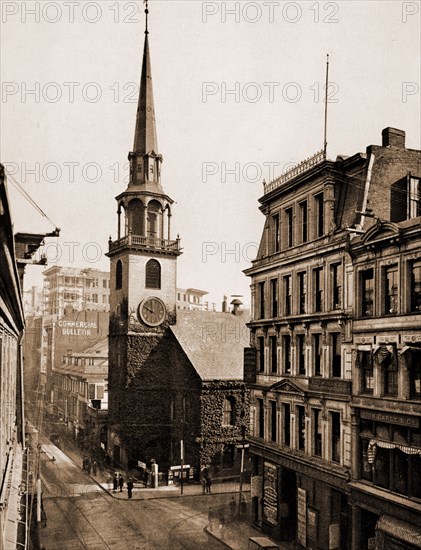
[(213, 342)]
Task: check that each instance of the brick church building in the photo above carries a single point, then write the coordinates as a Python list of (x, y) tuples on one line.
[(176, 389)]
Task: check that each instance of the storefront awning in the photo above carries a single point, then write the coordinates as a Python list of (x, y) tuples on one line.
[(371, 450), (401, 530)]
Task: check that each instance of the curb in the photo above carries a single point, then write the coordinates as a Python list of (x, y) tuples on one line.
[(206, 529)]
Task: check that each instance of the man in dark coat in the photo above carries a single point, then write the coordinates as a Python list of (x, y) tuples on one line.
[(115, 482), (130, 487), (121, 482)]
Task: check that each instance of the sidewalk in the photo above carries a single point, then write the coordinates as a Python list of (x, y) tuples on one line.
[(234, 534)]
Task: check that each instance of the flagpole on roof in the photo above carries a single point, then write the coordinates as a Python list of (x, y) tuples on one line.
[(326, 97)]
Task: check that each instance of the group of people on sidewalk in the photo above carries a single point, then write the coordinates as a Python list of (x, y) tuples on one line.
[(118, 482)]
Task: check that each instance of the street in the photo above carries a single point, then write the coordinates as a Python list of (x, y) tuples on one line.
[(80, 515)]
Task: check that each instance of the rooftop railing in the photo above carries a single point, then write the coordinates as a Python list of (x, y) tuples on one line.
[(300, 168)]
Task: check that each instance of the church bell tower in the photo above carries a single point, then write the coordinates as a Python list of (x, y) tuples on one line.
[(144, 257), (143, 268)]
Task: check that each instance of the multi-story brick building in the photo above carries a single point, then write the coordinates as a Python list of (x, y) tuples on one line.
[(78, 288), (80, 390), (304, 302)]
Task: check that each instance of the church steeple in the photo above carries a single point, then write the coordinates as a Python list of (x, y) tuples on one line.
[(145, 161), (144, 210)]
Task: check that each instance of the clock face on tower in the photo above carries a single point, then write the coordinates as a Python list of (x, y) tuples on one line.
[(152, 311)]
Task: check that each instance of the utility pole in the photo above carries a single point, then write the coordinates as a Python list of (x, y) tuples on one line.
[(242, 447), (182, 464)]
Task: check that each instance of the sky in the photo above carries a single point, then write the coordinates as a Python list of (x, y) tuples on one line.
[(239, 98)]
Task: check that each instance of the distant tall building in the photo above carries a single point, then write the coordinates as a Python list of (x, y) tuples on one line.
[(82, 289), (191, 298)]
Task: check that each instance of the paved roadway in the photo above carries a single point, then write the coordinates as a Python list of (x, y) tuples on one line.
[(80, 515)]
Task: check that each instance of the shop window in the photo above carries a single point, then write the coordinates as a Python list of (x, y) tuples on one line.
[(317, 432), (119, 275), (286, 347), (387, 362), (317, 350), (261, 341), (273, 422), (301, 428), (416, 286), (289, 219), (274, 297), (336, 436), (301, 354), (390, 290), (275, 243), (153, 274), (261, 289), (365, 362), (304, 221), (286, 407), (287, 294), (273, 354), (319, 211), (336, 277), (228, 413), (367, 293), (336, 355), (302, 291), (318, 289)]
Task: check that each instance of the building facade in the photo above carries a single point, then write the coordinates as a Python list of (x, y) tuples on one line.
[(303, 340), (80, 394), (77, 288)]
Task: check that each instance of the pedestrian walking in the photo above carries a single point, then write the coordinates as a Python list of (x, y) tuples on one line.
[(94, 467), (130, 487), (208, 484), (121, 482), (203, 484), (115, 483)]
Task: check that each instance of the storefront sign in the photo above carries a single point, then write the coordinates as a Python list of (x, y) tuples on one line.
[(312, 522), (270, 494), (302, 516), (390, 418), (334, 536)]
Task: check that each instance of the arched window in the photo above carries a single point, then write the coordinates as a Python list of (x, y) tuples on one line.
[(135, 213), (119, 275), (228, 414), (153, 274), (154, 217)]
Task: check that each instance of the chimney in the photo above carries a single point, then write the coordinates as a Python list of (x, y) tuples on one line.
[(236, 304), (224, 305), (392, 137)]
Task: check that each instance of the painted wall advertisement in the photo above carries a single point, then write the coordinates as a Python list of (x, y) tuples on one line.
[(270, 493)]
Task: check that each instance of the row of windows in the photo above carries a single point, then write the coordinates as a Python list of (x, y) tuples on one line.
[(301, 366), (297, 224), (380, 373), (152, 274), (297, 296), (312, 442), (82, 361), (391, 298)]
